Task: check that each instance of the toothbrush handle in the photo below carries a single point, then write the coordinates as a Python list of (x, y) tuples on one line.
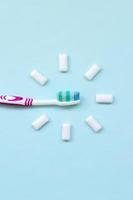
[(15, 100)]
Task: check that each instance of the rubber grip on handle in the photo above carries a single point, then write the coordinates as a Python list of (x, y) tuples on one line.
[(15, 100)]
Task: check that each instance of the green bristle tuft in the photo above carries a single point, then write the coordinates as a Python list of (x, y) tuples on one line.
[(68, 96), (60, 96)]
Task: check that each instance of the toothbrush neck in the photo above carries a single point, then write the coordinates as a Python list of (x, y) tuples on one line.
[(44, 102)]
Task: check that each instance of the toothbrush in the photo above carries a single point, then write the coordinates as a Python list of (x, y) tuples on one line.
[(66, 98)]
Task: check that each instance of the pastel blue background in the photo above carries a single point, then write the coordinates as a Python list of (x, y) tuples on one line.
[(38, 165)]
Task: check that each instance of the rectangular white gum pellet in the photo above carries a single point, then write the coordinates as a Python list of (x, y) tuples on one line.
[(41, 121), (38, 77), (63, 62), (66, 132), (94, 124), (92, 72), (104, 98)]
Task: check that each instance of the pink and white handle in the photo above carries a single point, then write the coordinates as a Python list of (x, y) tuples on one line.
[(15, 100)]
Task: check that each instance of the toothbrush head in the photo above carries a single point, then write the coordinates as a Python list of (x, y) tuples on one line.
[(68, 98)]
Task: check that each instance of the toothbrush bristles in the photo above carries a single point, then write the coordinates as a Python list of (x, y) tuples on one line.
[(68, 96)]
